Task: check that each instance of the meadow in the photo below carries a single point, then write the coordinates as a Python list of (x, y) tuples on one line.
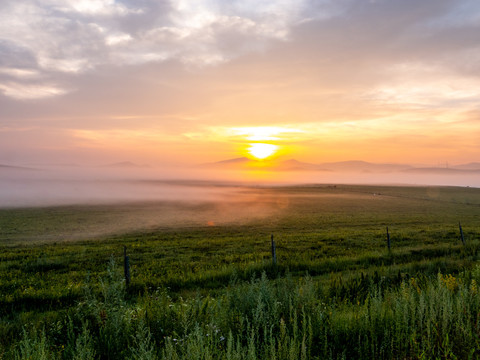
[(203, 284)]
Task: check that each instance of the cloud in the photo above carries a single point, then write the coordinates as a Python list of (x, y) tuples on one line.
[(78, 36), (30, 91), (418, 85), (333, 69), (92, 7), (61, 39)]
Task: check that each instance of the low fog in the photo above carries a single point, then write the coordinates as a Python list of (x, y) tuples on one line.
[(51, 186), (65, 203)]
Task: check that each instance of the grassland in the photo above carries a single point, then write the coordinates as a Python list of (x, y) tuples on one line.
[(203, 285)]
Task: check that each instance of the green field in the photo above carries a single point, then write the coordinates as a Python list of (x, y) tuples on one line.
[(204, 287)]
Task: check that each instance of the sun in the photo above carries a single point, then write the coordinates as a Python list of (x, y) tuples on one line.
[(262, 151)]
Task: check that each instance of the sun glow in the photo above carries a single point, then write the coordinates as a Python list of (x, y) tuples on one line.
[(262, 151), (266, 133)]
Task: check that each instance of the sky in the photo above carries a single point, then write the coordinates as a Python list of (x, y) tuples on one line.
[(190, 82)]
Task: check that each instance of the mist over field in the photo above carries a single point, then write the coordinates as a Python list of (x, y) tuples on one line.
[(50, 186), (67, 203), (81, 203)]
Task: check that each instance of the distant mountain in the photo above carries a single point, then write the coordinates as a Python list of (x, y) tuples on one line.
[(52, 164), (125, 164), (469, 166), (229, 164), (242, 160), (363, 166), (246, 163), (11, 167), (439, 170), (295, 165)]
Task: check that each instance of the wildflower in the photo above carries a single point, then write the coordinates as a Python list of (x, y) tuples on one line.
[(473, 287)]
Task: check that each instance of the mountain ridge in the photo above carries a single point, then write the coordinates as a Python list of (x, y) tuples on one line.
[(361, 166), (296, 165), (13, 167)]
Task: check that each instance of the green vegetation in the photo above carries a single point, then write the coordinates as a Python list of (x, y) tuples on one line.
[(211, 292)]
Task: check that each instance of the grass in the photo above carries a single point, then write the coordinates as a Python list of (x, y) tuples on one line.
[(211, 291)]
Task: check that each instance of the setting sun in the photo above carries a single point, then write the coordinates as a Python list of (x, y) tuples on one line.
[(262, 151)]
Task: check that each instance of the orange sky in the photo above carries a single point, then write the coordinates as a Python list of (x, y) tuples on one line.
[(166, 82)]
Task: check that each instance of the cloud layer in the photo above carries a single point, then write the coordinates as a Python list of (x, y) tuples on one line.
[(42, 39), (87, 78)]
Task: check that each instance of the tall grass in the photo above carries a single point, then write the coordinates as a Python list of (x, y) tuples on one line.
[(210, 292), (421, 317)]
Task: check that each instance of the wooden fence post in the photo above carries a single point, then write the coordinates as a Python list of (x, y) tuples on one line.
[(126, 266), (274, 251), (388, 240), (461, 233)]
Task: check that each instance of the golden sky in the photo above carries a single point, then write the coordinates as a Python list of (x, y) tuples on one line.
[(189, 82)]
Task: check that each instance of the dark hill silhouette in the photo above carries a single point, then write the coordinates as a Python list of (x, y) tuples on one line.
[(295, 165), (244, 162), (363, 166), (11, 167), (439, 170), (230, 163), (469, 166)]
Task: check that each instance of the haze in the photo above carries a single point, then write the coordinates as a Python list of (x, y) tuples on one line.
[(67, 203), (219, 182)]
